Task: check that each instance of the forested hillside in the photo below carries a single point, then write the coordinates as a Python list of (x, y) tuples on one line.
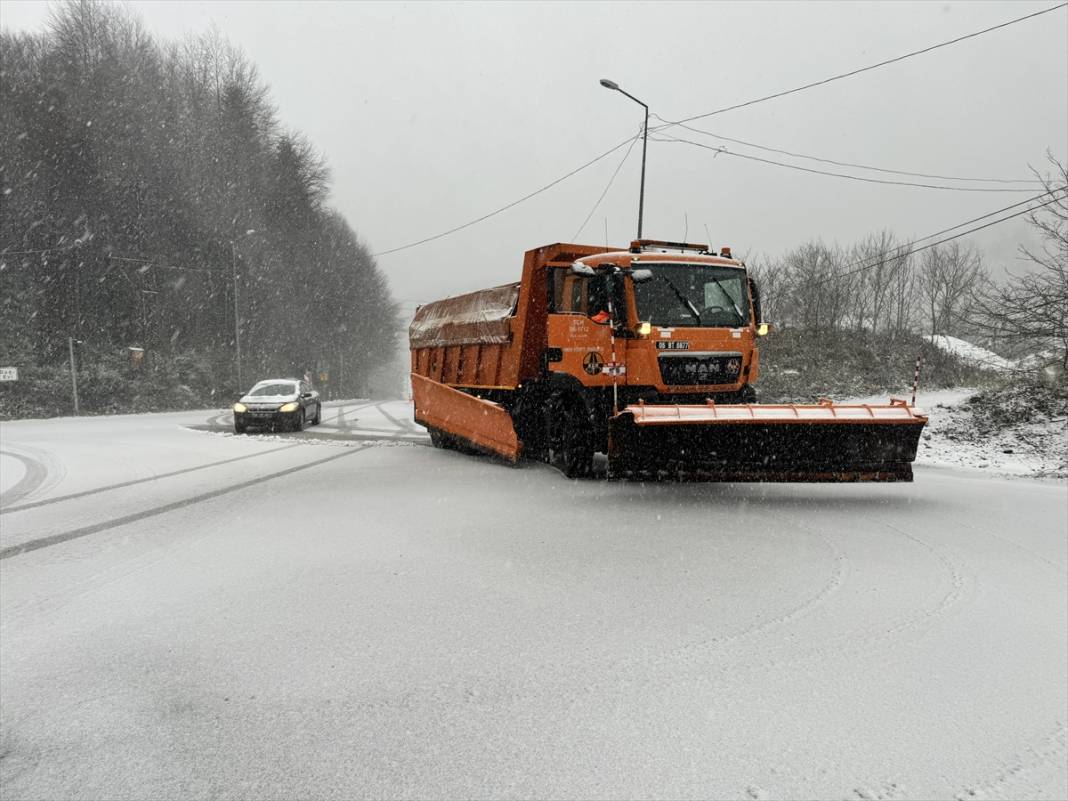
[(152, 199)]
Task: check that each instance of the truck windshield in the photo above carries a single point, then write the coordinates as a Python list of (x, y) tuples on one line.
[(716, 293)]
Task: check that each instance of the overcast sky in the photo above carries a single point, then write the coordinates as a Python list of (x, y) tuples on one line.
[(433, 114)]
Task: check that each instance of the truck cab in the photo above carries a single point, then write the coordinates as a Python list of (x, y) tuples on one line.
[(660, 322)]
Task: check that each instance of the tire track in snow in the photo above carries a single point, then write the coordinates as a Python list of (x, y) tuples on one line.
[(860, 641), (343, 411), (1057, 568), (132, 482), (222, 420), (1023, 777), (695, 655), (84, 531), (752, 649), (831, 586), (126, 566), (401, 424), (36, 474)]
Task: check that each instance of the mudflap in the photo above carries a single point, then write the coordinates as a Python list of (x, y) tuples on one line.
[(479, 424), (817, 443)]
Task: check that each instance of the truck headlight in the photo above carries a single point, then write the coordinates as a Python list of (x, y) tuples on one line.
[(292, 406), (240, 407)]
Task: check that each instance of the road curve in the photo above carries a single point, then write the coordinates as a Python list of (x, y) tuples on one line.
[(409, 622)]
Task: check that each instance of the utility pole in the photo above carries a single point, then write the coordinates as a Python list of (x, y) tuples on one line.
[(237, 314), (237, 318), (73, 374)]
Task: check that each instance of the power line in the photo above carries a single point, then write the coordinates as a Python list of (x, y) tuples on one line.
[(990, 214), (862, 69), (711, 113), (611, 180), (902, 249), (112, 257), (152, 263), (848, 176), (25, 252), (859, 166), (514, 203)]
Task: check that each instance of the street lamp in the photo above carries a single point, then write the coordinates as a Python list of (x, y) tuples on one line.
[(607, 84), (237, 318), (71, 342)]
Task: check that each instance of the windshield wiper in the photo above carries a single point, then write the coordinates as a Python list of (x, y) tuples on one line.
[(683, 299), (726, 294)]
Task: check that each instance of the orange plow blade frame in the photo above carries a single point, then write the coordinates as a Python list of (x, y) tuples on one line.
[(756, 442), (481, 424)]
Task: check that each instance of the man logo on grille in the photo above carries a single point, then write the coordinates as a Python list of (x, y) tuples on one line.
[(592, 363)]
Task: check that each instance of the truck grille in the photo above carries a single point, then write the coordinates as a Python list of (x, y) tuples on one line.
[(691, 369)]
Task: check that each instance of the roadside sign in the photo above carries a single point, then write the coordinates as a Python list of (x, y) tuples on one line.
[(9, 374)]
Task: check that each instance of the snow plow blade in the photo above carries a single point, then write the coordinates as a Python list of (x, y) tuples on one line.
[(477, 423), (822, 442)]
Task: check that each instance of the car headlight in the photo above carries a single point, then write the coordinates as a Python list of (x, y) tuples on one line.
[(292, 406), (240, 407)]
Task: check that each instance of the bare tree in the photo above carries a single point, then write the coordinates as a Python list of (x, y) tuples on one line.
[(903, 294), (1031, 309), (948, 279), (770, 277), (881, 258)]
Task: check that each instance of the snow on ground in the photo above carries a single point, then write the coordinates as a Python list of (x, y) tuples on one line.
[(208, 615), (1034, 445), (952, 438), (972, 354)]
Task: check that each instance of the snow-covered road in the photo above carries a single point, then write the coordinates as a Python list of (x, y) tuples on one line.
[(346, 613)]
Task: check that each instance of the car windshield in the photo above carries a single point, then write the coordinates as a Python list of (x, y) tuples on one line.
[(281, 388), (693, 295)]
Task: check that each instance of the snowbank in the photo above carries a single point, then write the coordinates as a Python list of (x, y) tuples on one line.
[(972, 354), (1015, 432)]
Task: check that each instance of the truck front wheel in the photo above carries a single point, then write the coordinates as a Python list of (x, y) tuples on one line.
[(570, 437)]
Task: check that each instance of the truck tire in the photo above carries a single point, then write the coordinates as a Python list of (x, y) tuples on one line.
[(570, 437), (437, 438)]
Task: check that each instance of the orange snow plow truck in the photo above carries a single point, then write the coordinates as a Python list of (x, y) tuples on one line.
[(648, 355)]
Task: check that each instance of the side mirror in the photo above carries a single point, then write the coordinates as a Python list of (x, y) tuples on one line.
[(578, 268), (641, 276), (305, 394)]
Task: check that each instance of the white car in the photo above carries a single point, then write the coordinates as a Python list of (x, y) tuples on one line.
[(287, 403)]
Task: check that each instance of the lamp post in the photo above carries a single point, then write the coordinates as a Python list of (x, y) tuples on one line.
[(71, 342), (607, 84), (237, 317)]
